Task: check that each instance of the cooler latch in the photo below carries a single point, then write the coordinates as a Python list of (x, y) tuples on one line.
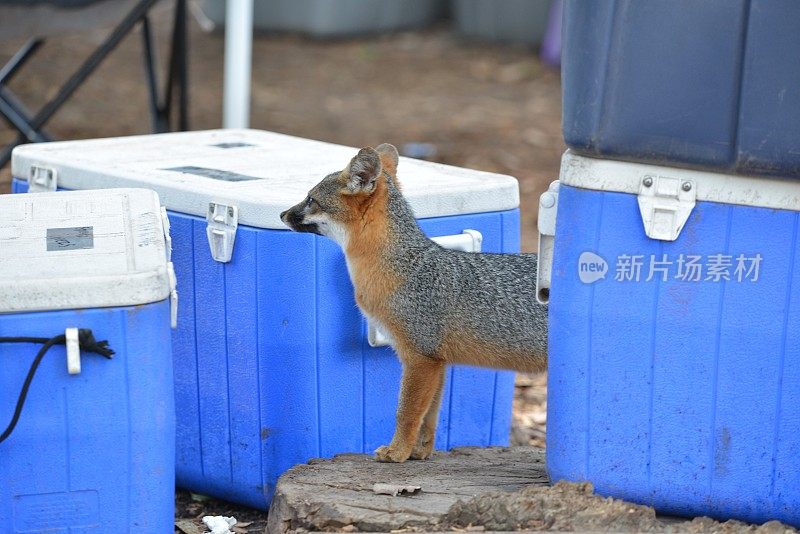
[(42, 179), (167, 236), (221, 231), (466, 241), (665, 205), (548, 209), (173, 296)]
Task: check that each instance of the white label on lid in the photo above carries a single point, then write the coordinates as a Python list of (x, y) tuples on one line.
[(77, 237)]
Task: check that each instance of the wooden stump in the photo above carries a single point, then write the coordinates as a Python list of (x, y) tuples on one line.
[(331, 494), (499, 489)]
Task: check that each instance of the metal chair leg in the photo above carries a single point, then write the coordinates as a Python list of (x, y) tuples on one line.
[(111, 42), (157, 121), (11, 109), (178, 76), (30, 128), (18, 116), (18, 59)]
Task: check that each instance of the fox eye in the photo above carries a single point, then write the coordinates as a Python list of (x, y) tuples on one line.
[(309, 201)]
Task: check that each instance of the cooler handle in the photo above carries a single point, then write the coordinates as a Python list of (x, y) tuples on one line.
[(74, 339)]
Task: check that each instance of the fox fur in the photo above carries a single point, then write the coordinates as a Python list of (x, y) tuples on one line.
[(438, 306)]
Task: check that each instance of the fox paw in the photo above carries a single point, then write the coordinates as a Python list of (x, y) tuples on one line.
[(422, 451), (387, 453)]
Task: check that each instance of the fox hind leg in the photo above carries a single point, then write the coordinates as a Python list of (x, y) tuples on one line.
[(421, 382)]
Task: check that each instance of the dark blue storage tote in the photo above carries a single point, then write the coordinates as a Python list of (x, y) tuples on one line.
[(712, 84), (674, 373), (94, 446), (273, 361)]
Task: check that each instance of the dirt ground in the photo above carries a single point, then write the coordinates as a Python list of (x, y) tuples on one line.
[(488, 107), (566, 507)]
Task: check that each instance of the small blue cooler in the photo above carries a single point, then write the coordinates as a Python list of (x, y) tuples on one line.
[(274, 364), (93, 448), (675, 338)]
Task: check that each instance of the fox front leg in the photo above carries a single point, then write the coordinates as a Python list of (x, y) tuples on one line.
[(419, 386), (424, 447)]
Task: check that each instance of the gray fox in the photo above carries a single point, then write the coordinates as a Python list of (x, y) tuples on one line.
[(438, 306)]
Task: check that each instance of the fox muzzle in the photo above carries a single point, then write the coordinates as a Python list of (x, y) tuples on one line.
[(295, 220)]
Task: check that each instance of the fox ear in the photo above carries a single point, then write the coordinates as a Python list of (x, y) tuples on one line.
[(363, 171), (389, 158)]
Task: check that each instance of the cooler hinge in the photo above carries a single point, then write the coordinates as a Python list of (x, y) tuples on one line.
[(665, 205), (173, 296), (221, 230), (548, 209), (42, 179)]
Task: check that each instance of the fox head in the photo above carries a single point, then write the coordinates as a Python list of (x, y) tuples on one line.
[(342, 201)]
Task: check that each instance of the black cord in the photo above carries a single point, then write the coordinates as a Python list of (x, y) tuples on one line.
[(87, 343)]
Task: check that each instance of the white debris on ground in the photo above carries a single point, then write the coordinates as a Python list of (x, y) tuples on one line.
[(529, 421), (218, 524)]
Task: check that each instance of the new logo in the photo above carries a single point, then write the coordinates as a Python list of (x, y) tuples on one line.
[(664, 267), (591, 267)]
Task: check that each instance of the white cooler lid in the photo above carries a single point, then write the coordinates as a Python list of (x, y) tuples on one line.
[(626, 177), (82, 249), (262, 173)]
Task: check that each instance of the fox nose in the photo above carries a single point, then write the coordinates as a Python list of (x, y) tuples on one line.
[(283, 214)]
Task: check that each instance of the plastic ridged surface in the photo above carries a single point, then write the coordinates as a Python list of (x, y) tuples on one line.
[(273, 366), (677, 394), (94, 451)]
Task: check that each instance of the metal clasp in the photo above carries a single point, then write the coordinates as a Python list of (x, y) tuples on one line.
[(665, 205), (42, 179), (221, 231)]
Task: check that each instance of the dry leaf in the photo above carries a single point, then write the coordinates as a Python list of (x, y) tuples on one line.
[(395, 489), (187, 526)]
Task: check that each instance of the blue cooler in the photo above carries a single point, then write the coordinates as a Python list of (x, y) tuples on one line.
[(274, 364), (675, 338), (93, 447), (710, 84)]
